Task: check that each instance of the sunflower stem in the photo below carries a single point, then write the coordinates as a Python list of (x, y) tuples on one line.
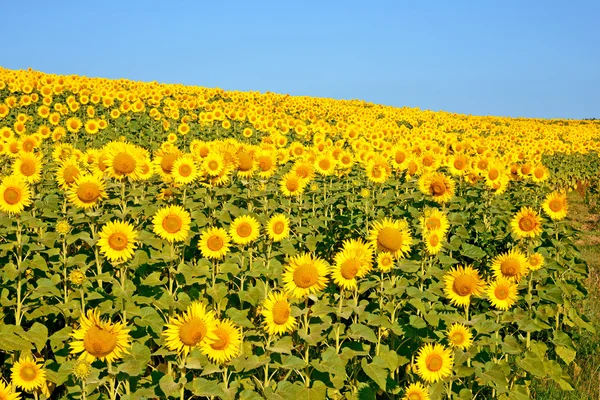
[(123, 273), (18, 312), (307, 348), (339, 319), (83, 390)]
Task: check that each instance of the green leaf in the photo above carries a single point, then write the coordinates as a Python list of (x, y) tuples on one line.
[(376, 371), (136, 361), (168, 386), (567, 354), (149, 317), (363, 332), (283, 345), (37, 334), (532, 363), (473, 252)]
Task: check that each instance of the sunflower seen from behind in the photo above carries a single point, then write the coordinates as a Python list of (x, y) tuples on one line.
[(172, 223), (276, 311), (214, 243), (434, 362), (304, 275), (117, 240), (28, 375), (244, 229), (15, 194), (100, 339), (228, 339), (191, 329), (461, 283), (526, 223)]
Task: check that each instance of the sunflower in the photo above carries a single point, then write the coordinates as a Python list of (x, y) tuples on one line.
[(391, 236), (461, 283), (146, 170), (526, 223), (278, 227), (244, 229), (15, 194), (555, 206), (28, 375), (438, 185), (458, 164), (122, 160), (416, 391), (87, 190), (385, 261), (276, 310), (535, 261), (325, 164), (190, 330), (82, 369), (434, 362), (266, 162), (360, 250), (511, 265), (378, 171), (29, 167), (117, 241), (292, 185), (347, 265), (74, 124), (172, 223), (98, 339), (459, 336), (214, 243), (433, 242), (305, 275), (434, 220), (539, 173), (184, 170), (6, 392), (226, 344), (246, 165), (502, 293), (304, 170)]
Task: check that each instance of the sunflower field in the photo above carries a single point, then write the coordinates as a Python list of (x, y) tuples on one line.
[(168, 241)]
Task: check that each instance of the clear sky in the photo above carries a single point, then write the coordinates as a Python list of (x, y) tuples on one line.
[(515, 58)]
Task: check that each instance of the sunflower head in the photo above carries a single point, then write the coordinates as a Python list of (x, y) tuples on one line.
[(461, 283)]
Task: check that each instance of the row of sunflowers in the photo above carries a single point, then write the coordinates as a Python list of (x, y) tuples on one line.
[(164, 241)]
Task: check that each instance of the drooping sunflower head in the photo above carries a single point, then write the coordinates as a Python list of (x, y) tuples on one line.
[(278, 227), (459, 336), (304, 275), (434, 362), (244, 229), (392, 236), (502, 293), (100, 339), (276, 310), (510, 265), (117, 240), (461, 283), (15, 194), (526, 223), (191, 329), (214, 243), (172, 223), (555, 206)]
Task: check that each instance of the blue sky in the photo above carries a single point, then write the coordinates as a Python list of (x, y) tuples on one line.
[(514, 58)]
